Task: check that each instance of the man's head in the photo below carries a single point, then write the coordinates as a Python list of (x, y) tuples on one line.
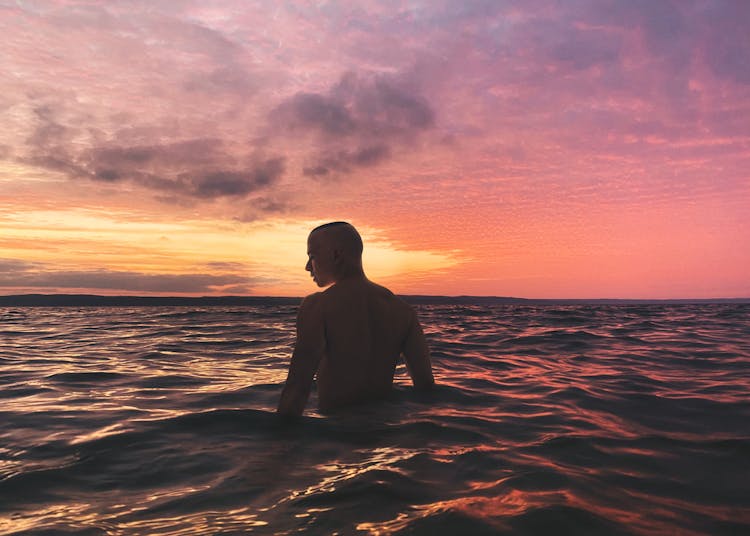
[(334, 252)]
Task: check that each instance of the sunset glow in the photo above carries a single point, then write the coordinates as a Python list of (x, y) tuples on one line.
[(545, 149)]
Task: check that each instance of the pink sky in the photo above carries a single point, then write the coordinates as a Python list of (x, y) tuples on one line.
[(582, 149)]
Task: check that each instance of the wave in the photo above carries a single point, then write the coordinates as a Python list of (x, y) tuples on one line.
[(566, 419)]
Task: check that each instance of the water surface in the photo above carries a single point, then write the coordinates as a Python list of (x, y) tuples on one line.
[(607, 419)]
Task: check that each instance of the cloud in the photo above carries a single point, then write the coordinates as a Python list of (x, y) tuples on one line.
[(181, 116), (49, 130), (115, 105), (198, 168), (232, 183), (259, 207), (14, 265), (21, 274), (310, 111), (358, 122), (358, 106), (554, 86), (347, 160), (225, 266)]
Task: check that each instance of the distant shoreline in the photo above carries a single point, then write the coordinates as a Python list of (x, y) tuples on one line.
[(93, 300)]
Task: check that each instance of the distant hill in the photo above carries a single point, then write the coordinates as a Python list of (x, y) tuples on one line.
[(87, 300)]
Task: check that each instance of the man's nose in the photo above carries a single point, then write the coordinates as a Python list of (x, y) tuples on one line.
[(308, 266)]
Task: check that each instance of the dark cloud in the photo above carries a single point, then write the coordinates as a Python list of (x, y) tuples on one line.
[(49, 130), (358, 106), (229, 183), (369, 156), (273, 204), (311, 111), (17, 273), (118, 157), (238, 183), (388, 108), (259, 207), (343, 161), (60, 162), (114, 163), (316, 171), (200, 168), (14, 266), (50, 141), (359, 122), (196, 169)]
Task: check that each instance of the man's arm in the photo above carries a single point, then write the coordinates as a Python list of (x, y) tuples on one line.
[(308, 351), (417, 356)]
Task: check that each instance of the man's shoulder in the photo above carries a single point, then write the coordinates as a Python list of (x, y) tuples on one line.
[(381, 289), (387, 292), (310, 310), (394, 302), (311, 301), (342, 293)]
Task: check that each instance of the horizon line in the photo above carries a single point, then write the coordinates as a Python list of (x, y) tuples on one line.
[(81, 298)]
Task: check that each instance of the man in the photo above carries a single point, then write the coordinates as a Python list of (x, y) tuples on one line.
[(351, 334)]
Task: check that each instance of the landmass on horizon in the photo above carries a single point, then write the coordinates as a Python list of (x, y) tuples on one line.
[(83, 300)]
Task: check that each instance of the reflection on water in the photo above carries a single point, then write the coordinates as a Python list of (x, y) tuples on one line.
[(547, 419)]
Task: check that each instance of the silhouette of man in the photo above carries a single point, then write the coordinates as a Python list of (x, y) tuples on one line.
[(351, 334)]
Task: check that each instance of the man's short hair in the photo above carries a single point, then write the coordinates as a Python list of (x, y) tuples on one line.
[(345, 236)]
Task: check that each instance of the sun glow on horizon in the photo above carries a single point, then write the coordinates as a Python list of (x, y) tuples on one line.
[(253, 258)]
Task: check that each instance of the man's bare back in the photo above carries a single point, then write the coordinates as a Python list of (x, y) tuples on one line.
[(351, 336)]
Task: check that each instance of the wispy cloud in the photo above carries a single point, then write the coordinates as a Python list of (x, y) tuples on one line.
[(16, 273)]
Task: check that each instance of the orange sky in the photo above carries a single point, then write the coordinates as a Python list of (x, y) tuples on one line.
[(543, 150)]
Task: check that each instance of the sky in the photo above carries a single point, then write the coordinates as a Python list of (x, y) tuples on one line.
[(535, 148)]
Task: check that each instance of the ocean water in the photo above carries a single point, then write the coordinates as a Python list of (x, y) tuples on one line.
[(606, 419)]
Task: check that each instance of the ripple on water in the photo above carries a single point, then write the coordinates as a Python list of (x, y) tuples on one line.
[(546, 419)]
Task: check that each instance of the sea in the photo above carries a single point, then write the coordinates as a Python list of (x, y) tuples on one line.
[(580, 419)]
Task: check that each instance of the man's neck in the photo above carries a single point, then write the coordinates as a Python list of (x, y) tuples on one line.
[(352, 274)]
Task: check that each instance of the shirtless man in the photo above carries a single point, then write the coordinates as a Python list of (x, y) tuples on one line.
[(351, 334)]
